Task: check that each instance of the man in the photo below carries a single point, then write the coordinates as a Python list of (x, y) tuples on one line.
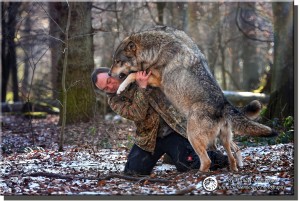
[(160, 128)]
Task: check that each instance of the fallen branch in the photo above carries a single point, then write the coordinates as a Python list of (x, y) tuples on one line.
[(70, 177)]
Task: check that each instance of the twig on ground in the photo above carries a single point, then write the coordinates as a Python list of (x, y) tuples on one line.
[(70, 177)]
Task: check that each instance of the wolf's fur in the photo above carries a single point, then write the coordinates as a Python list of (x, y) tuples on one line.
[(181, 71), (252, 111)]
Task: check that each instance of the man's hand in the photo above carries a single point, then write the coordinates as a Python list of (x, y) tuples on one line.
[(142, 78)]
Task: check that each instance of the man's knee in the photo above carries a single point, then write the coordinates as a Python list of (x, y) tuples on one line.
[(133, 167), (218, 160), (138, 172), (140, 162)]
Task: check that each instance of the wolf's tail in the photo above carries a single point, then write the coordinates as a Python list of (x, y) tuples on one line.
[(252, 110), (244, 125)]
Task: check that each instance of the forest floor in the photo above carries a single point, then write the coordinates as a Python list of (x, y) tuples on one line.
[(94, 156)]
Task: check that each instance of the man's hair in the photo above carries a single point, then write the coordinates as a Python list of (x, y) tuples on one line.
[(96, 72)]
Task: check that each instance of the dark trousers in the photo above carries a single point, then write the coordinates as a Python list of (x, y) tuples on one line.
[(179, 149)]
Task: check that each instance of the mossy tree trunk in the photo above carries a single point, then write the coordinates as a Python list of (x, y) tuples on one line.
[(281, 102), (80, 95), (9, 15), (249, 54)]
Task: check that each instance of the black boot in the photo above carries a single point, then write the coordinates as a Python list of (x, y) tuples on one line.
[(218, 160)]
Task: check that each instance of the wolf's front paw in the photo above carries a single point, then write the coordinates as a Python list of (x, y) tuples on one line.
[(240, 164), (239, 159), (121, 89), (204, 167)]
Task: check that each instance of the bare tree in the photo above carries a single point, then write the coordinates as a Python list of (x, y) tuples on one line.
[(250, 66), (9, 58), (80, 94), (160, 10), (282, 82)]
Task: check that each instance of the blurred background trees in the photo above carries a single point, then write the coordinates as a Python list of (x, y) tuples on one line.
[(249, 47)]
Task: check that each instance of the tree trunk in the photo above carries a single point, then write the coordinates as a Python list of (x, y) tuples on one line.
[(80, 94), (223, 67), (235, 81), (184, 16), (25, 80), (57, 27), (5, 69), (235, 69), (281, 102), (9, 58), (11, 55), (160, 11), (214, 22), (192, 22), (250, 66)]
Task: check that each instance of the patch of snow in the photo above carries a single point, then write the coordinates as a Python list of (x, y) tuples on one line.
[(164, 167), (2, 184), (33, 185)]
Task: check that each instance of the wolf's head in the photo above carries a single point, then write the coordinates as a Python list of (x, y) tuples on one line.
[(124, 59), (146, 49)]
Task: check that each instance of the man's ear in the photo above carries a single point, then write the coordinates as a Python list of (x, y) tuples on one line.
[(131, 47)]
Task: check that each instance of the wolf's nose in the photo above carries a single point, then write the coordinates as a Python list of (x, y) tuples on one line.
[(109, 73)]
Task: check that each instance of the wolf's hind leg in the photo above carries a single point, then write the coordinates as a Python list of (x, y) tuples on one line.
[(237, 153), (200, 132), (226, 139), (200, 148)]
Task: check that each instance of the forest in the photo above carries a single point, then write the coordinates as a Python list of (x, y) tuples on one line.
[(59, 136)]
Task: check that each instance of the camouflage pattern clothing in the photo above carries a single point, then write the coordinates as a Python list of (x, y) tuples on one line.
[(146, 107)]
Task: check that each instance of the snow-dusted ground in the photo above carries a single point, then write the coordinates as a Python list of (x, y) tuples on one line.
[(268, 170)]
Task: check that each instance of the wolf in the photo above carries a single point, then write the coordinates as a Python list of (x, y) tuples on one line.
[(181, 71), (251, 111)]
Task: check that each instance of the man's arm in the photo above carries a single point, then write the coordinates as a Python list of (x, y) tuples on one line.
[(134, 109)]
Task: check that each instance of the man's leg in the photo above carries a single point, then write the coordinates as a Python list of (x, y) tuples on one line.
[(184, 156), (218, 160), (181, 152), (141, 162)]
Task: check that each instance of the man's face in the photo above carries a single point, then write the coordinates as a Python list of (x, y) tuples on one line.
[(107, 84)]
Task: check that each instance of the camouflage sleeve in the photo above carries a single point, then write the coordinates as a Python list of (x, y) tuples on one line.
[(134, 109)]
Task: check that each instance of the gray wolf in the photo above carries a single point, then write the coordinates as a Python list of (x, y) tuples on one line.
[(181, 71)]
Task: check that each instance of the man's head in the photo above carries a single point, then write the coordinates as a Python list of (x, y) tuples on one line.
[(102, 81)]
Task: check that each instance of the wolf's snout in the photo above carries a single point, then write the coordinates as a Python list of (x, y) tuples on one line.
[(109, 73)]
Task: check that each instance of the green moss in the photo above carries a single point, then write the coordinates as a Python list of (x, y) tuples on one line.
[(9, 97), (35, 115)]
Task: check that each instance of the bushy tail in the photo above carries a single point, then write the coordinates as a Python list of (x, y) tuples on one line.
[(243, 125), (252, 110)]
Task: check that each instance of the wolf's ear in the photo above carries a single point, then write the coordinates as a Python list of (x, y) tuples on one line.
[(131, 47)]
